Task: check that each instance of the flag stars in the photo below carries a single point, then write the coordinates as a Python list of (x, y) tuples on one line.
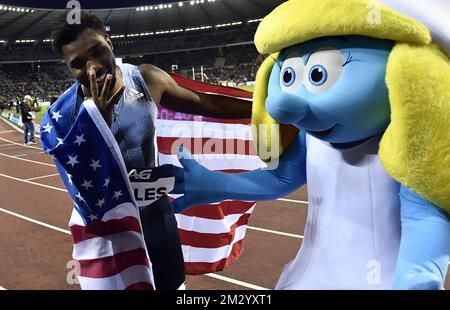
[(47, 128), (100, 202), (95, 164), (80, 198), (73, 160), (117, 194), (60, 141), (87, 184), (107, 180), (92, 217), (56, 115), (79, 139)]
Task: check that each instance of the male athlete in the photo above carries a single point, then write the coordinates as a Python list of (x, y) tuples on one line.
[(127, 97)]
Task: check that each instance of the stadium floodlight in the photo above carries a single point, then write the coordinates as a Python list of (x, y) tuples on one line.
[(192, 2), (179, 4)]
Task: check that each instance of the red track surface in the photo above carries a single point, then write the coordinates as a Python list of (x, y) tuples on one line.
[(35, 256)]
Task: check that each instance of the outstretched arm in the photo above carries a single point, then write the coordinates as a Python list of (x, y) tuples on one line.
[(425, 243), (200, 185), (167, 92)]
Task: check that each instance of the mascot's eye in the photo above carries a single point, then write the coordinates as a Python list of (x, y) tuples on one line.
[(288, 76), (318, 75), (323, 70), (291, 73)]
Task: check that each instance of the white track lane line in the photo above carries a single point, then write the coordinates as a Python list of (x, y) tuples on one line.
[(28, 154), (275, 232), (28, 160), (21, 144), (241, 283), (2, 288), (219, 277), (35, 221), (34, 183), (6, 131), (293, 200), (42, 177)]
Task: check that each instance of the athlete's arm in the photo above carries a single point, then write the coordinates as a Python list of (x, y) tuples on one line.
[(200, 185), (166, 92)]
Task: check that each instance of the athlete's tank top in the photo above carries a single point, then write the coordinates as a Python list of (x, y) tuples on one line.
[(134, 121), (352, 234)]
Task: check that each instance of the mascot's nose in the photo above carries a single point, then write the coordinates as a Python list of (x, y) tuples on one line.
[(287, 108)]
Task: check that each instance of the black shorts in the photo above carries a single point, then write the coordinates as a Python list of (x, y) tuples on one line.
[(163, 244)]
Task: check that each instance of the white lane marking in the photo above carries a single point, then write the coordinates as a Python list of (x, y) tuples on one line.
[(21, 155), (293, 200), (34, 183), (2, 288), (6, 131), (43, 177), (276, 232), (241, 283), (216, 276), (35, 221), (21, 144), (28, 160)]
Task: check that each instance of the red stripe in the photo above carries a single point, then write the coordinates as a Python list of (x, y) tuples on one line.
[(169, 145), (99, 228), (140, 286), (218, 211), (197, 268), (216, 89), (170, 115), (210, 241), (112, 265)]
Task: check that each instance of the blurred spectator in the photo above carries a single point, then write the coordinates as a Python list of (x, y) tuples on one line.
[(27, 120)]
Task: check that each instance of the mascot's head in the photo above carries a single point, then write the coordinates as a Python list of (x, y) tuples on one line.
[(344, 71)]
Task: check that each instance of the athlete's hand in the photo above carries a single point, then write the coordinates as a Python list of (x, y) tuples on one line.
[(105, 103)]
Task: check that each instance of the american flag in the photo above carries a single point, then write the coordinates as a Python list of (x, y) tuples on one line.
[(212, 235), (105, 225)]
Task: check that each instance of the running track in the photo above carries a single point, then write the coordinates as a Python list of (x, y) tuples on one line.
[(36, 245)]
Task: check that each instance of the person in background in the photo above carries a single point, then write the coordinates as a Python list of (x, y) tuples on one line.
[(27, 120)]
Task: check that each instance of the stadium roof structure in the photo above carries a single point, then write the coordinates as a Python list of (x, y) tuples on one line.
[(31, 24)]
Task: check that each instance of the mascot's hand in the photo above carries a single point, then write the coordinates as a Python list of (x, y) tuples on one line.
[(198, 184), (425, 243)]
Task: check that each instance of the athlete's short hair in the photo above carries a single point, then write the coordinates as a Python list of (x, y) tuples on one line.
[(64, 33)]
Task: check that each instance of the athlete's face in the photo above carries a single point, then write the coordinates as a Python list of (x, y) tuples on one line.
[(90, 51)]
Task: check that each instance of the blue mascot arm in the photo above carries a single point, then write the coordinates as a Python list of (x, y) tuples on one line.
[(425, 243), (201, 186)]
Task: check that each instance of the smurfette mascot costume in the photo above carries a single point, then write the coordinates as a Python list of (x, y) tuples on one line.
[(355, 96)]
